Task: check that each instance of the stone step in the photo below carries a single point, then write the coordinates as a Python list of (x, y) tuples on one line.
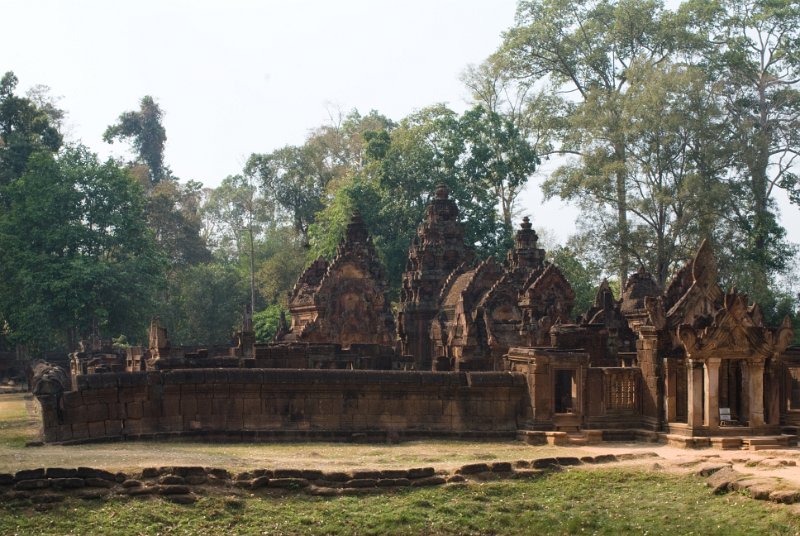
[(760, 441), (766, 446)]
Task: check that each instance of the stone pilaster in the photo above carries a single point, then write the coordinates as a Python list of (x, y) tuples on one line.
[(694, 378), (647, 355), (755, 392), (670, 391), (711, 392)]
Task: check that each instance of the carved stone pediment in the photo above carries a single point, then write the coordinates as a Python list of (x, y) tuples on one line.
[(702, 296), (548, 293), (736, 331), (343, 302)]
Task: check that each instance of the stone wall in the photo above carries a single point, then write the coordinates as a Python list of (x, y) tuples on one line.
[(260, 404)]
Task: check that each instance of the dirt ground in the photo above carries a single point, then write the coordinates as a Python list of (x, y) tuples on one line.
[(18, 424)]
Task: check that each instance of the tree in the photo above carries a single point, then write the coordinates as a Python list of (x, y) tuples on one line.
[(25, 129), (283, 259), (173, 214), (497, 155), (239, 213), (675, 162), (583, 51), (752, 48), (144, 130), (297, 179), (78, 257), (205, 305)]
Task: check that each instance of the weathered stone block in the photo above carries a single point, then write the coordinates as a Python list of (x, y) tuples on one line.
[(393, 482), (473, 468), (361, 483), (173, 490), (98, 483), (39, 483), (80, 430), (29, 474), (171, 479), (421, 472), (133, 410), (57, 472), (113, 428), (288, 483), (90, 472), (97, 429), (188, 406), (67, 483), (171, 406)]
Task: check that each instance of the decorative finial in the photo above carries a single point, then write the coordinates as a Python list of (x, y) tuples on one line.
[(526, 223), (442, 191)]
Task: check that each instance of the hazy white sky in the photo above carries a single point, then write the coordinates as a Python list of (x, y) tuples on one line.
[(240, 76)]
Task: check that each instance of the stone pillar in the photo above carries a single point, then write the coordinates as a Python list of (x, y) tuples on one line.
[(694, 377), (711, 392), (755, 392), (773, 409), (647, 356), (670, 391)]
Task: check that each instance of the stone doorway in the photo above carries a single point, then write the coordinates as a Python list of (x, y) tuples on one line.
[(565, 391)]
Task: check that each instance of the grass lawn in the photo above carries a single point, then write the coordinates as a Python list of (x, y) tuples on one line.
[(598, 501)]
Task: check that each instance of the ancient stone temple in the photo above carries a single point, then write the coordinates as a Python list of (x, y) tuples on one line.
[(436, 250), (485, 350), (486, 310), (344, 302), (692, 362), (719, 359)]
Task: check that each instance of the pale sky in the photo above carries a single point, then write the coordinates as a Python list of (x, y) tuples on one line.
[(238, 77)]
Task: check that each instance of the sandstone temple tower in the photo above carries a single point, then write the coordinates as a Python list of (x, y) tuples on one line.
[(435, 252)]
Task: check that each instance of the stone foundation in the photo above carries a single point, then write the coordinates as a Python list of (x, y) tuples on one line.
[(260, 404)]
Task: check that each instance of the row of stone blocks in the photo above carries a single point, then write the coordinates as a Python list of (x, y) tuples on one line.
[(178, 484)]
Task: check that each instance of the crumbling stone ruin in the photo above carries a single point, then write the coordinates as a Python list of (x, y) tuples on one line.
[(485, 349), (343, 302)]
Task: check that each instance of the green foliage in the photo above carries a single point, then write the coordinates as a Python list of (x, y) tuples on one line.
[(496, 156), (147, 135), (205, 304), (750, 50), (584, 276), (173, 214), (584, 51), (77, 253), (25, 128), (265, 323), (296, 179), (282, 260)]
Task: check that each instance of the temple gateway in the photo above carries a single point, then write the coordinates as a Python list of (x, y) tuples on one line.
[(476, 349)]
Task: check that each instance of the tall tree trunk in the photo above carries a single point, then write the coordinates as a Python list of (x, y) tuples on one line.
[(622, 215), (252, 270)]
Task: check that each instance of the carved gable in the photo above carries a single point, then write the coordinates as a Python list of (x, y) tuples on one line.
[(346, 303)]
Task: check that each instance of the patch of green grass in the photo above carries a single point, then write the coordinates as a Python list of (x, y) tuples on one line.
[(600, 501), (16, 426)]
